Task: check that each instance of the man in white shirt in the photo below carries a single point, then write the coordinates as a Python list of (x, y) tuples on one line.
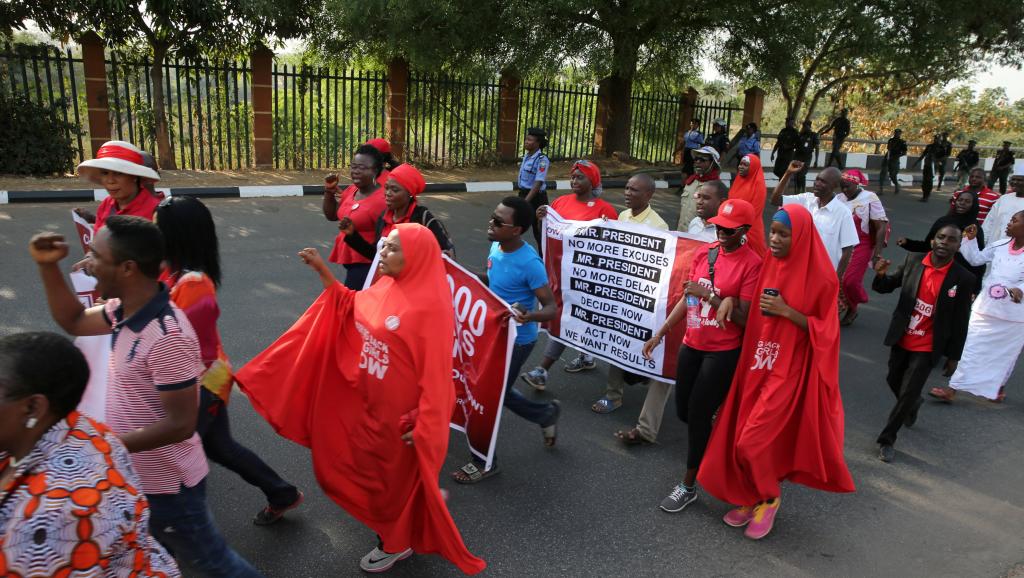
[(1003, 209), (706, 200), (832, 218)]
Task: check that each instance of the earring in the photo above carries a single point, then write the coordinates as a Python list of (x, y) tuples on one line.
[(31, 423)]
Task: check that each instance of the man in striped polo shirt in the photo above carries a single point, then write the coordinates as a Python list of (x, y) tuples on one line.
[(151, 398), (986, 196)]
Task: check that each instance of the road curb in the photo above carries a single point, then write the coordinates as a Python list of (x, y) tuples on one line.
[(270, 191)]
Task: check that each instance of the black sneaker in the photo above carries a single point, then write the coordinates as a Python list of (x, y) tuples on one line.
[(270, 514), (886, 453), (680, 497)]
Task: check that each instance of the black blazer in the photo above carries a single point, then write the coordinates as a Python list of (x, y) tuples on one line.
[(949, 324)]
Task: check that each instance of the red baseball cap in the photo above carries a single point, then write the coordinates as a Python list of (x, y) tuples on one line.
[(734, 213)]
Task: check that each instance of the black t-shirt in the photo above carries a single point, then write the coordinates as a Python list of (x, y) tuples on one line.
[(806, 143), (896, 147), (841, 126), (788, 140), (968, 159)]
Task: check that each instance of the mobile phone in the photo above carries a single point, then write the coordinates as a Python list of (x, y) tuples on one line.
[(773, 293)]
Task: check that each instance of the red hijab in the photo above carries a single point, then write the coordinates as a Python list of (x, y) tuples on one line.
[(783, 418), (410, 179), (355, 372), (753, 190)]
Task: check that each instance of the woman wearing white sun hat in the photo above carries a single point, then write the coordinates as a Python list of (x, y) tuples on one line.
[(120, 168)]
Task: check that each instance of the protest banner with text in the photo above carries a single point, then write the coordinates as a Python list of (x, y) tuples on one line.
[(484, 337), (615, 283)]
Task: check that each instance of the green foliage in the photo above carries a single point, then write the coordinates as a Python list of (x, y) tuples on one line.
[(34, 139), (811, 49)]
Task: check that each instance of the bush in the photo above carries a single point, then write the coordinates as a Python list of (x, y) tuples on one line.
[(35, 139)]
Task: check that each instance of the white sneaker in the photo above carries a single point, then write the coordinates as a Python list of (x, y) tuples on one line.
[(380, 561)]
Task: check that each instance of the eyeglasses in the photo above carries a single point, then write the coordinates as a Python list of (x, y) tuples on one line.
[(497, 222)]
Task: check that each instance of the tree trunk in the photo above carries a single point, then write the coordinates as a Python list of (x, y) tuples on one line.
[(164, 150), (618, 88)]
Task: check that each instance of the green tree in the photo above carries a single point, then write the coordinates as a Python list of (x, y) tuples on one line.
[(168, 27), (813, 48), (613, 40)]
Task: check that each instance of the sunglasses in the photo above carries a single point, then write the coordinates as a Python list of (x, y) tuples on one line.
[(701, 160), (726, 231), (497, 222)]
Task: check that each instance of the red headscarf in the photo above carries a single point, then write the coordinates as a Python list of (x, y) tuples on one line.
[(589, 170), (753, 190), (783, 418), (410, 179), (351, 375), (382, 146)]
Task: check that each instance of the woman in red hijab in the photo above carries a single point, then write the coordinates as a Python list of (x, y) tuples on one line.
[(783, 418), (749, 186), (404, 185), (364, 379)]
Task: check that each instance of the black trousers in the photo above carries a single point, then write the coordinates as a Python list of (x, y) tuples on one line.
[(541, 198), (908, 372), (702, 382), (837, 145), (1000, 176)]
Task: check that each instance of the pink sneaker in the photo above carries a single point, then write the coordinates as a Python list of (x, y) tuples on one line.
[(739, 517), (762, 520)]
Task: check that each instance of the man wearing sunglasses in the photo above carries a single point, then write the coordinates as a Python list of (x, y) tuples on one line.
[(705, 168), (516, 274)]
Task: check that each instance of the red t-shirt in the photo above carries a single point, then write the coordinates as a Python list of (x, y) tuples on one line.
[(918, 336), (364, 214), (986, 198), (569, 208), (143, 205), (736, 275)]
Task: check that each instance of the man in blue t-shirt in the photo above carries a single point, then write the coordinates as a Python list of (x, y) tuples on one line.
[(533, 173), (516, 274)]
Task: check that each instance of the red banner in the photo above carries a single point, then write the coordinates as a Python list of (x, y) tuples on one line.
[(484, 338)]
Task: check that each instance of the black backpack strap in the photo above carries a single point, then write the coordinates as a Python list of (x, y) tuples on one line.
[(712, 257)]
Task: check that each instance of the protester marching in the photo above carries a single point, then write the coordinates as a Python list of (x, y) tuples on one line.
[(739, 318)]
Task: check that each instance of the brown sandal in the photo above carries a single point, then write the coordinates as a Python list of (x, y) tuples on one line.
[(632, 437)]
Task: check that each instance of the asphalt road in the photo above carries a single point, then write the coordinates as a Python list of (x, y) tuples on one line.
[(952, 504)]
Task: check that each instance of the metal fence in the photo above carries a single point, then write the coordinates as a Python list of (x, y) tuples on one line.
[(321, 115), (47, 76), (653, 132), (207, 106), (451, 122), (707, 111), (566, 111)]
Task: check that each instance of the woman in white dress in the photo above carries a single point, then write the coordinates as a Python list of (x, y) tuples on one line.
[(996, 332)]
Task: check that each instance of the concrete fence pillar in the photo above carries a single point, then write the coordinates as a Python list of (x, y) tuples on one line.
[(262, 59), (397, 105), (94, 63), (753, 105), (687, 111), (508, 123)]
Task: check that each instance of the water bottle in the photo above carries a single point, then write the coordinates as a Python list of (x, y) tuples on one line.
[(692, 311)]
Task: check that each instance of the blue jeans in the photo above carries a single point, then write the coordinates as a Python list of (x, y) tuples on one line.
[(215, 430), (542, 414), (183, 524)]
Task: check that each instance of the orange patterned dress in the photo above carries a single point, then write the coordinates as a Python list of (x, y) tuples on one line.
[(74, 508)]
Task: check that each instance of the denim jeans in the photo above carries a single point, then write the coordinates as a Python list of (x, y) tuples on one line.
[(183, 524), (541, 414), (215, 430)]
